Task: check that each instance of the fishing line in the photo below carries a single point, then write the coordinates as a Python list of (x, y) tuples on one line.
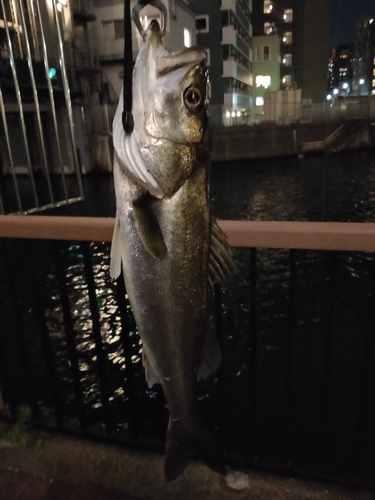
[(127, 116)]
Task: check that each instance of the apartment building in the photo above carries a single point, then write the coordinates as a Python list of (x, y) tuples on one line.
[(224, 29), (304, 31), (363, 82)]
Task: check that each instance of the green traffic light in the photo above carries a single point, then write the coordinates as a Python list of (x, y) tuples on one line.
[(52, 72)]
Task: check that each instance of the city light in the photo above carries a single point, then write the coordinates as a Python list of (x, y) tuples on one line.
[(335, 91), (361, 81), (238, 113), (227, 114), (345, 85), (371, 21), (329, 97), (233, 114)]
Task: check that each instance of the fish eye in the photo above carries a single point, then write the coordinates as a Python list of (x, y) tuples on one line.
[(193, 98)]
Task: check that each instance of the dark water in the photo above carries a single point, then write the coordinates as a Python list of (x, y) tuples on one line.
[(298, 381)]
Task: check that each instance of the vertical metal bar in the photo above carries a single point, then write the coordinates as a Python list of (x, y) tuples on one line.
[(34, 32), (253, 343), (1, 198), (129, 371), (52, 100), (100, 355), (20, 106), (45, 340), (368, 359), (290, 345), (7, 139), (5, 379), (36, 102), (326, 360), (70, 336), (220, 373), (67, 98), (28, 381)]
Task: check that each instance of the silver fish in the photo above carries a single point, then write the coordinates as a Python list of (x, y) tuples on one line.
[(164, 238)]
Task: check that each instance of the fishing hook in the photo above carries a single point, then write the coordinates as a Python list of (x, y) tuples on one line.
[(156, 3)]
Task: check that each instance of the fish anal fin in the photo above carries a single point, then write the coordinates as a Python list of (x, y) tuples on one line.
[(148, 227), (211, 355), (220, 263), (150, 374), (115, 266)]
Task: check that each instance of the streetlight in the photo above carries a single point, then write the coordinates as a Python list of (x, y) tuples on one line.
[(335, 91)]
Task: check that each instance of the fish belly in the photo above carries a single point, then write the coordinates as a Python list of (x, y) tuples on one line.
[(169, 296)]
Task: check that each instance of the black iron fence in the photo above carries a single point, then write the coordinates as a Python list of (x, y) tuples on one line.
[(296, 390)]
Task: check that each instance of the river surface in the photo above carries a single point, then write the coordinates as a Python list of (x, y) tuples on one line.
[(297, 381)]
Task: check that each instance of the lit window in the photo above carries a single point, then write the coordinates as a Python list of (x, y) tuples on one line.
[(259, 101), (288, 38), (268, 28), (287, 80), (287, 60), (187, 37), (267, 7), (263, 81), (373, 83), (201, 24), (288, 15)]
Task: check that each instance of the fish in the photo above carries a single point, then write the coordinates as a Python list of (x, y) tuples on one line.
[(166, 242)]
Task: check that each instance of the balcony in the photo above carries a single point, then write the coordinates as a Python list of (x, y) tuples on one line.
[(82, 11)]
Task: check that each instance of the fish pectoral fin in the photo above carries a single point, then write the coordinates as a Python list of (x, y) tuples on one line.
[(150, 374), (220, 263), (211, 355), (148, 227), (115, 266)]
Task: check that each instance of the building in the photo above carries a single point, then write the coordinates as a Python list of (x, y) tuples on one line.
[(364, 58), (276, 18), (340, 71), (304, 52), (266, 68), (224, 29)]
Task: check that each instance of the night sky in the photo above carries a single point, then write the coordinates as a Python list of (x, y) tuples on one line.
[(345, 15)]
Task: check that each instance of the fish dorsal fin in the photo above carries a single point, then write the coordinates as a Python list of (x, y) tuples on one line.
[(115, 266), (148, 227), (220, 262), (211, 355), (150, 374)]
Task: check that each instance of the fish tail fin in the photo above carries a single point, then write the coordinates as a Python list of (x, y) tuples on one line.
[(205, 449), (177, 452), (179, 446)]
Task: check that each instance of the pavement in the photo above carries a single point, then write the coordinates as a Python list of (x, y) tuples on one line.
[(69, 468)]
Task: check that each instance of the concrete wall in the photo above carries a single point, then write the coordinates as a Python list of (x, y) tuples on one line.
[(265, 141)]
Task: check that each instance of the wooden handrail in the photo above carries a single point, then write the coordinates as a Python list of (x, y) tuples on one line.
[(261, 234)]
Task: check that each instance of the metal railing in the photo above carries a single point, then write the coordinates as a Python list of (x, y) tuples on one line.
[(294, 394), (38, 138)]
